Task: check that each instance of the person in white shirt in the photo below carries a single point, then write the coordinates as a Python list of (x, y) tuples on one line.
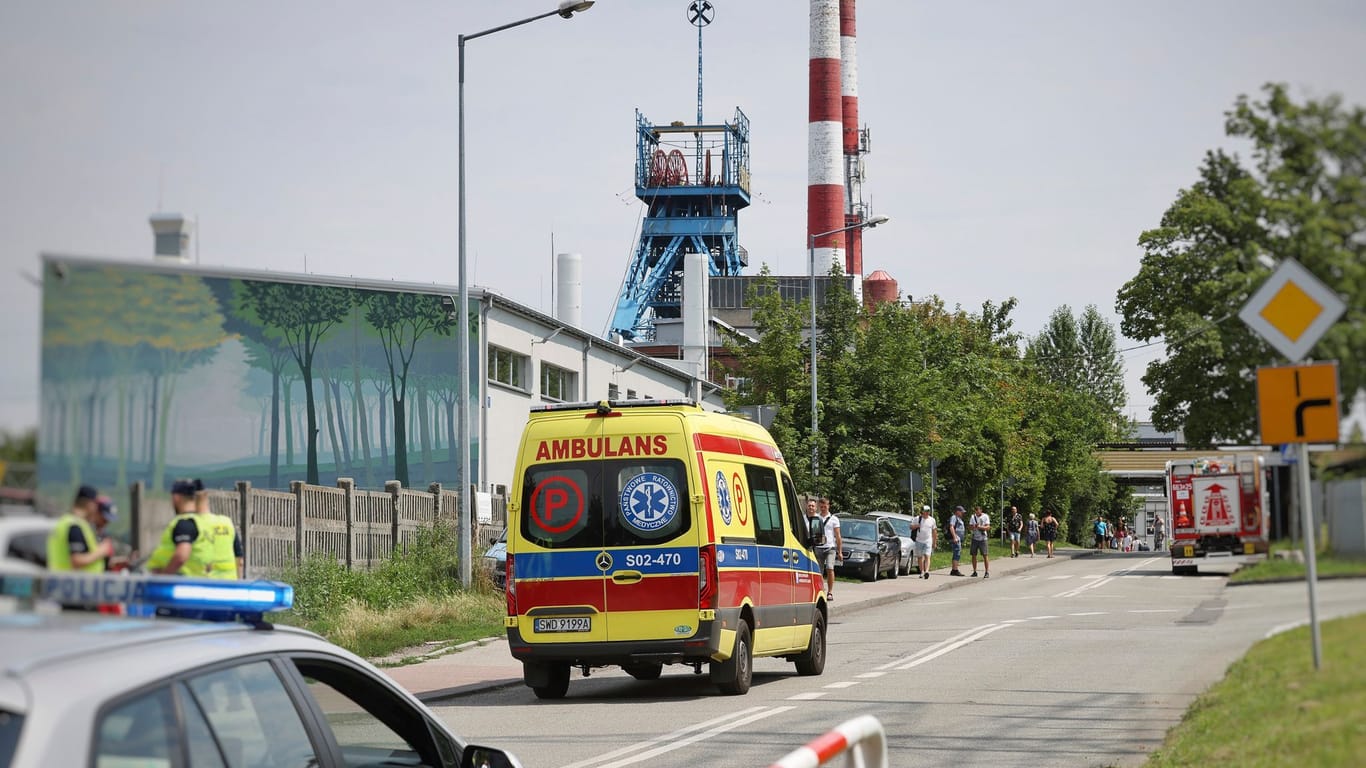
[(980, 525), (833, 550), (924, 540)]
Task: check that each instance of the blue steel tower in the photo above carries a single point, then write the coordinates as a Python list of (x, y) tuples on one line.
[(687, 212)]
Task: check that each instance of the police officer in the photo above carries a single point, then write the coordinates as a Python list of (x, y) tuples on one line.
[(196, 542), (72, 545)]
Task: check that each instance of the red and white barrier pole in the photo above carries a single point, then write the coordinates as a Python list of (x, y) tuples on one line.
[(862, 738)]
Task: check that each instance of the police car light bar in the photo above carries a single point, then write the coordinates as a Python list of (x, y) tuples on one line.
[(173, 593)]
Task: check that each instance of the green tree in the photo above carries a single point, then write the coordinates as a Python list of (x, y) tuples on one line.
[(401, 319), (302, 315), (1303, 197)]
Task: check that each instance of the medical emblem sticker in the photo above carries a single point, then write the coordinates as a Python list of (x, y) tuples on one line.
[(649, 501), (723, 496)]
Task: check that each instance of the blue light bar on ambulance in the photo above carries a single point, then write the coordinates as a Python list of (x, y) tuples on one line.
[(173, 593)]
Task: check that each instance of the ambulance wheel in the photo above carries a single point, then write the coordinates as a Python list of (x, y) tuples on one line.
[(644, 670), (812, 660), (734, 675), (557, 682)]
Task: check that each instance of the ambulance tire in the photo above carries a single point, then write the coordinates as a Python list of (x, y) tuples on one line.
[(558, 682), (644, 670), (734, 675), (812, 660)]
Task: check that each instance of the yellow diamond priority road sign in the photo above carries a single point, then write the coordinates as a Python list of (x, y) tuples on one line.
[(1292, 310)]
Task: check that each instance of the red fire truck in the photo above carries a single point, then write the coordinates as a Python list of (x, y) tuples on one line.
[(1219, 511)]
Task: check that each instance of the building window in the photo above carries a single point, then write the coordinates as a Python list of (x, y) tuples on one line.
[(558, 383), (630, 394), (508, 367), (613, 393)]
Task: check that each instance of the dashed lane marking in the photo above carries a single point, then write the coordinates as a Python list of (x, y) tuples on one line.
[(717, 724), (806, 696), (842, 684), (1088, 613)]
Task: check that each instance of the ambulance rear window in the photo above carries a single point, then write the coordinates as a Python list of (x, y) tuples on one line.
[(607, 503)]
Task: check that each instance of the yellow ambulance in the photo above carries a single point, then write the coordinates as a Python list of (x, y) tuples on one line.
[(652, 532)]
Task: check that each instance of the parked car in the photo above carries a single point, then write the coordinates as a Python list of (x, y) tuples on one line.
[(901, 524), (495, 560), (871, 547), (23, 542)]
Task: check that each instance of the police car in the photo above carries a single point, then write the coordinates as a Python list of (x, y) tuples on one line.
[(88, 688)]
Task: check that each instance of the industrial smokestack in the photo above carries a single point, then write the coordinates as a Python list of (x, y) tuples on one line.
[(568, 298), (172, 237), (825, 176), (853, 162)]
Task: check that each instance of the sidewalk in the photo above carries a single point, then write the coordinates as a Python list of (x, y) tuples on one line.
[(487, 664)]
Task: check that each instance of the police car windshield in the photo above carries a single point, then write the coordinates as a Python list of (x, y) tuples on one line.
[(623, 502)]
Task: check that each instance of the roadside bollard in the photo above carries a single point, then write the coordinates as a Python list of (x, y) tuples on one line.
[(861, 739)]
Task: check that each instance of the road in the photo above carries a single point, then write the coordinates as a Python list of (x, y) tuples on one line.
[(1086, 663)]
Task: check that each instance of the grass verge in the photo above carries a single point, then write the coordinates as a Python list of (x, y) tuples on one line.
[(413, 598), (1272, 708), (1277, 569)]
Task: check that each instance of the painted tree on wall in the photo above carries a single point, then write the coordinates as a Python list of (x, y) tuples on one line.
[(303, 315), (401, 320)]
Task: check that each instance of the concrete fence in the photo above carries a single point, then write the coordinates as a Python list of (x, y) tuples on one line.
[(360, 528)]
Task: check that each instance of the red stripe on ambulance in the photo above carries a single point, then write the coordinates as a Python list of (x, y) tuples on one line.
[(565, 592), (736, 446), (654, 593)]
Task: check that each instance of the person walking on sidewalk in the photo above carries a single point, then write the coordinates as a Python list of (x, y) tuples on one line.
[(1049, 529), (980, 525), (1016, 527), (1031, 533), (832, 551), (957, 530), (924, 540)]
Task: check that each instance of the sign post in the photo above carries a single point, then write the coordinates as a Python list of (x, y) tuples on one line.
[(1297, 404)]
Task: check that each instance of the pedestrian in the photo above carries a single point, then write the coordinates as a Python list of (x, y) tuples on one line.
[(1049, 529), (72, 545), (924, 540), (194, 543), (1031, 533), (957, 530), (831, 551), (1159, 532), (1099, 527), (1016, 523), (980, 525)]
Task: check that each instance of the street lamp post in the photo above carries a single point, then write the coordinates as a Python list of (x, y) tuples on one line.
[(464, 519), (811, 257)]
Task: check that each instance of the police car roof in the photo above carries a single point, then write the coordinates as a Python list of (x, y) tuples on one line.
[(36, 639)]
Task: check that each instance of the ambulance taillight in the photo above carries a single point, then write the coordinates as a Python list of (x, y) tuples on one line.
[(707, 577), (510, 586)]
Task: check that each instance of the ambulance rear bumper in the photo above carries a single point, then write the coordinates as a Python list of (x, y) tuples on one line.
[(701, 646)]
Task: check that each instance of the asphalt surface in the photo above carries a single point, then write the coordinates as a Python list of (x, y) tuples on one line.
[(486, 664)]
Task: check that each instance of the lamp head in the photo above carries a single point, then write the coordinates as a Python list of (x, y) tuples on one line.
[(873, 221), (570, 7)]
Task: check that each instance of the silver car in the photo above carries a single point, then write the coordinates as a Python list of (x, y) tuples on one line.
[(23, 542), (86, 688), (902, 525)]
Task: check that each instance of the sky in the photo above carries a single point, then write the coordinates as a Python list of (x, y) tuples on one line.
[(1018, 147)]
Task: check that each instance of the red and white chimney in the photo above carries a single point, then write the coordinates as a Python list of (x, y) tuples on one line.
[(825, 196), (853, 163)]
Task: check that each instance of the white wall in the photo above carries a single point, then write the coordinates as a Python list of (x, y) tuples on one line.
[(505, 409)]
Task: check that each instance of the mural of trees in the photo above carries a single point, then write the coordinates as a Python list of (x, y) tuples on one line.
[(149, 372)]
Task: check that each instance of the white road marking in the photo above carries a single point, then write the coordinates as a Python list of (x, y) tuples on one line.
[(1089, 613), (672, 741), (931, 649), (1084, 587), (1040, 618), (843, 684), (872, 674), (1155, 610), (1055, 578), (1279, 628), (1014, 621), (806, 695), (952, 646), (677, 734)]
